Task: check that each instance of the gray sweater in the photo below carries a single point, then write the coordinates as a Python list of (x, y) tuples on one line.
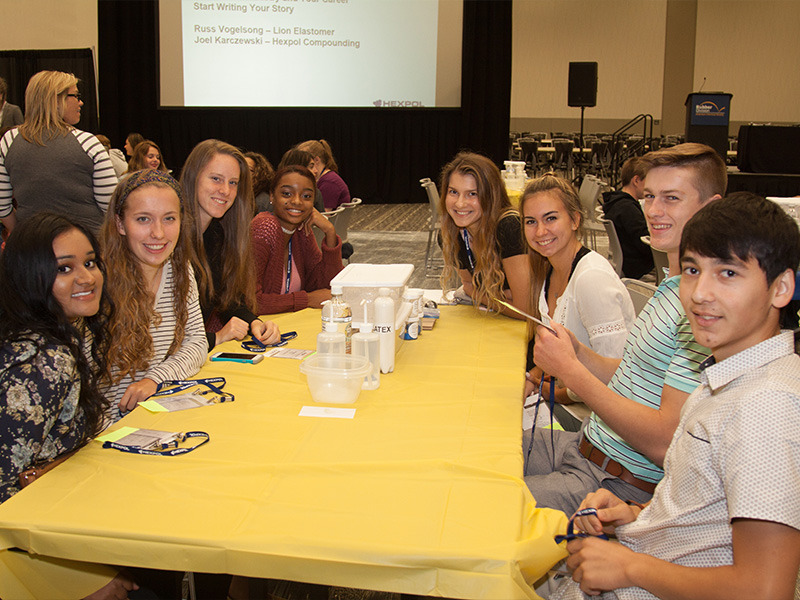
[(70, 175)]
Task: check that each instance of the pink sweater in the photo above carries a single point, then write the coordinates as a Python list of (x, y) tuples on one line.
[(315, 267)]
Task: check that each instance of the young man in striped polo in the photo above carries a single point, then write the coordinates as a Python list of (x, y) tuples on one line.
[(636, 401)]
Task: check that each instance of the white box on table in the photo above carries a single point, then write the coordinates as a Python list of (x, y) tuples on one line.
[(361, 281)]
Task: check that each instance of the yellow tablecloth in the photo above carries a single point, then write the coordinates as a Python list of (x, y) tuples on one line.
[(420, 493)]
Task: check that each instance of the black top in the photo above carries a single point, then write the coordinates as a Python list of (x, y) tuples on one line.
[(509, 242), (213, 241), (625, 212)]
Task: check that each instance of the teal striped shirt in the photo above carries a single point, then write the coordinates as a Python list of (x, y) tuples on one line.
[(660, 351)]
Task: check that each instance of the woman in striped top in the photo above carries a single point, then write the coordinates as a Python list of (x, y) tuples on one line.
[(157, 329), (48, 165)]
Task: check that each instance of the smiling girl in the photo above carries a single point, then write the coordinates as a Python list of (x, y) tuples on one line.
[(157, 329), (292, 272), (219, 197), (481, 234), (574, 286), (146, 155), (51, 307)]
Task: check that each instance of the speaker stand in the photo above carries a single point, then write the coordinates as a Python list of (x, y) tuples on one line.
[(579, 174)]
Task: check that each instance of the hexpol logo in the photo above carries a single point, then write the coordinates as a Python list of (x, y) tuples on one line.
[(397, 103)]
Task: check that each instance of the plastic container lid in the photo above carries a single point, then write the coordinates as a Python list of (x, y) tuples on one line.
[(367, 275)]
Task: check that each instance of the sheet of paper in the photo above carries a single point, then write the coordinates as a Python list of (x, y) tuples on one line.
[(294, 353), (328, 412)]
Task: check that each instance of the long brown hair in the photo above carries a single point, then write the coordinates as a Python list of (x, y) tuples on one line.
[(238, 272), (539, 264), (322, 150), (137, 162), (131, 344), (489, 276)]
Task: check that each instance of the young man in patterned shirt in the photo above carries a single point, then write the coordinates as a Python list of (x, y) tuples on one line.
[(725, 520)]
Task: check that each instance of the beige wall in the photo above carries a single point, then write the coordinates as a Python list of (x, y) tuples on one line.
[(750, 49), (625, 37), (650, 54), (48, 24)]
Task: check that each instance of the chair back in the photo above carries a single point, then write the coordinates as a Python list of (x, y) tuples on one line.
[(614, 247), (640, 293), (660, 259), (562, 159), (433, 200), (333, 216), (590, 190), (530, 147), (342, 224)]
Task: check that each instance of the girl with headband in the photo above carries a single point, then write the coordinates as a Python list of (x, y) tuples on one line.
[(157, 328)]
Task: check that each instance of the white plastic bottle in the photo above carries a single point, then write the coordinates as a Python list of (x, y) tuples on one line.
[(339, 315), (367, 343), (419, 303), (384, 327), (412, 324)]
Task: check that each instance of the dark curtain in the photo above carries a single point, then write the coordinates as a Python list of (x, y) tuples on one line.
[(17, 67), (382, 153)]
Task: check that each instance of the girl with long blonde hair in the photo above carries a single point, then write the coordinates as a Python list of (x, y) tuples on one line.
[(219, 199), (482, 235), (157, 329)]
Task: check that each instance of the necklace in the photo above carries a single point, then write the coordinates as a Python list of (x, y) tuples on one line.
[(287, 231)]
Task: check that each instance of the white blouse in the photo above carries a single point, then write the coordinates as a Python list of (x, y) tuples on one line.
[(595, 306)]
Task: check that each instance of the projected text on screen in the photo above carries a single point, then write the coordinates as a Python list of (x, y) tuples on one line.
[(310, 53)]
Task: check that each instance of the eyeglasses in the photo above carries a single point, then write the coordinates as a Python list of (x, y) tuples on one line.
[(76, 96)]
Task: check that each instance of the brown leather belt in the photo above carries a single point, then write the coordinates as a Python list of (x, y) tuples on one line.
[(612, 467)]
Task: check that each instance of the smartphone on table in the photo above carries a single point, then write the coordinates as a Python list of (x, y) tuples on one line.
[(242, 357)]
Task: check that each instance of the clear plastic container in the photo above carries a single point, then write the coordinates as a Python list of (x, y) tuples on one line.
[(366, 343), (335, 378), (337, 316), (331, 342)]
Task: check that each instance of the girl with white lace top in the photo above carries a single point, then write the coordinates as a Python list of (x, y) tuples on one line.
[(573, 285)]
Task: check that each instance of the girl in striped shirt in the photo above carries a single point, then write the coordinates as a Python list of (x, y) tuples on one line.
[(157, 329)]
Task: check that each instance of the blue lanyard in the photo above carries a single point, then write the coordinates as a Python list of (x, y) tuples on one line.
[(254, 345), (571, 535), (536, 415), (176, 386), (165, 451), (470, 257), (289, 268)]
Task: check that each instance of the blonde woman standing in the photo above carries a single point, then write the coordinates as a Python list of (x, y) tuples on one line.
[(46, 164)]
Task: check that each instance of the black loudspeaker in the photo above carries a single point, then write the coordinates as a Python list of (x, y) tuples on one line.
[(582, 84)]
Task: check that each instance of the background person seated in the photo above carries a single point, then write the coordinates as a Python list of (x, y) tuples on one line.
[(622, 208)]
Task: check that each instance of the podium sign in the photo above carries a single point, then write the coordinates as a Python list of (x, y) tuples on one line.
[(710, 109), (707, 118)]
